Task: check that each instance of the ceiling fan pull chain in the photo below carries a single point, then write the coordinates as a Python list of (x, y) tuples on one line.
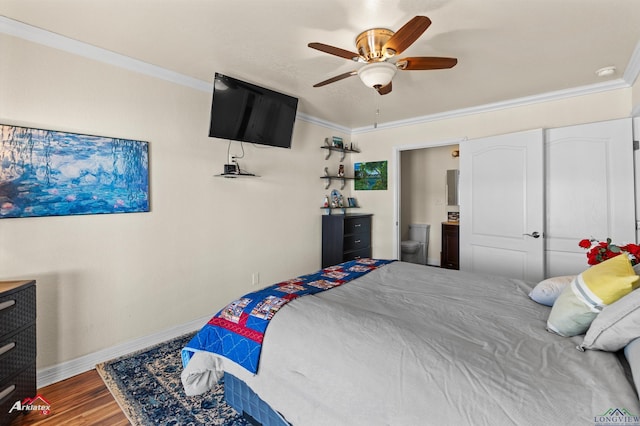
[(375, 121)]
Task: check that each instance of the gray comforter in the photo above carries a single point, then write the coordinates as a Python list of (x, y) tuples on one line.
[(415, 345)]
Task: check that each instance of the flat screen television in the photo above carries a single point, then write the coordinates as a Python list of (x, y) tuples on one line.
[(242, 111)]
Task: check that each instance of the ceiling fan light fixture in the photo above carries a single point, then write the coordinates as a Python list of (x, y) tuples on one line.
[(370, 44), (376, 47), (377, 74)]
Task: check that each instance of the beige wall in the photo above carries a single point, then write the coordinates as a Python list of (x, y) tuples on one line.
[(107, 279), (383, 144)]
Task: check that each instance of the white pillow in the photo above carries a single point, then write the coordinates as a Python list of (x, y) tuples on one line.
[(616, 326), (546, 292)]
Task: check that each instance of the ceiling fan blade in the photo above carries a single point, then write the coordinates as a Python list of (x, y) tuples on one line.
[(334, 51), (405, 36), (336, 78), (426, 63), (385, 89)]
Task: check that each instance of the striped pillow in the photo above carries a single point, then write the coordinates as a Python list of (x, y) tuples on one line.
[(589, 292)]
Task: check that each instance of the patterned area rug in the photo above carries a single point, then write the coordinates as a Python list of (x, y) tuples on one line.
[(147, 387)]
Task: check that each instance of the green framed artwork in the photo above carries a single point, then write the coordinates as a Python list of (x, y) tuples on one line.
[(370, 176)]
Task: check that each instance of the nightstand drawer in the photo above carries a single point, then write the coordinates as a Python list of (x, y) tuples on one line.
[(17, 309), (357, 241), (17, 351), (357, 225)]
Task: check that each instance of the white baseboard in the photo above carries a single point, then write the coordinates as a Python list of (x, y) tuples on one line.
[(64, 370)]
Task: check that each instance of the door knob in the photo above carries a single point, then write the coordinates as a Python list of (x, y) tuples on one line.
[(533, 234)]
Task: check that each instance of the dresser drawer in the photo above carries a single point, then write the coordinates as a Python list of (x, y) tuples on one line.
[(357, 225), (357, 241), (16, 388), (358, 254), (17, 309), (17, 351)]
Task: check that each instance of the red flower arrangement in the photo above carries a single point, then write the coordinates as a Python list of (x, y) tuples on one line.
[(599, 251)]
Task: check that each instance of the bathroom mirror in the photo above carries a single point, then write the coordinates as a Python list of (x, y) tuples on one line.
[(452, 187)]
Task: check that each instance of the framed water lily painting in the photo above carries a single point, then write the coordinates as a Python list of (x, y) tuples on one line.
[(52, 173)]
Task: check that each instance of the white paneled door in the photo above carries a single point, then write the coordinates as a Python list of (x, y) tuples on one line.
[(502, 205), (589, 190)]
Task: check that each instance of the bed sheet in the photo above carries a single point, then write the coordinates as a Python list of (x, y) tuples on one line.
[(410, 344)]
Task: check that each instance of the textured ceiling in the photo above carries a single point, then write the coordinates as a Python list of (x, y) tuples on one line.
[(507, 49)]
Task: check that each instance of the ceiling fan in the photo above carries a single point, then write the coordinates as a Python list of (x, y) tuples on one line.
[(377, 47)]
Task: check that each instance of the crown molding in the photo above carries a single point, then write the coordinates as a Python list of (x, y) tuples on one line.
[(511, 103), (47, 38), (633, 67), (323, 123), (37, 35)]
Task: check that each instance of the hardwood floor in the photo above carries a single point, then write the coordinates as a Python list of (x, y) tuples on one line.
[(79, 400)]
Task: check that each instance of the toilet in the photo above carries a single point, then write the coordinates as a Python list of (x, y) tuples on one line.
[(414, 250)]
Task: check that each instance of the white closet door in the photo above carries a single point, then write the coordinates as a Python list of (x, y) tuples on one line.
[(501, 201), (589, 190)]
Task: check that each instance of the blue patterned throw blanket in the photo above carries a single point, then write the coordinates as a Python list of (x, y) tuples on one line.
[(237, 331)]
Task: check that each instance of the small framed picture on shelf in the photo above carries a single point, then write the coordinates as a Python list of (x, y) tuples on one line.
[(337, 142), (352, 202)]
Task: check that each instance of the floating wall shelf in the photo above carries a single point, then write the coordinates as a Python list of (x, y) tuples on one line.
[(330, 178), (343, 151), (236, 175)]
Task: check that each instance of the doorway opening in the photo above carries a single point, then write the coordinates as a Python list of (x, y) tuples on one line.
[(420, 194)]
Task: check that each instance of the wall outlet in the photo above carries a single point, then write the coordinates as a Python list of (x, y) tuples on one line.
[(255, 278)]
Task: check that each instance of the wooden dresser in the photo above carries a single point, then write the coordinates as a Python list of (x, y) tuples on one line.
[(17, 345), (345, 237)]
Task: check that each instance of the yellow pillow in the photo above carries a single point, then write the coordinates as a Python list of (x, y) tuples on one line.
[(606, 282), (588, 293)]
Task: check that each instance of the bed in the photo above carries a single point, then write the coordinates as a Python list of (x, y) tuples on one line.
[(407, 344)]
